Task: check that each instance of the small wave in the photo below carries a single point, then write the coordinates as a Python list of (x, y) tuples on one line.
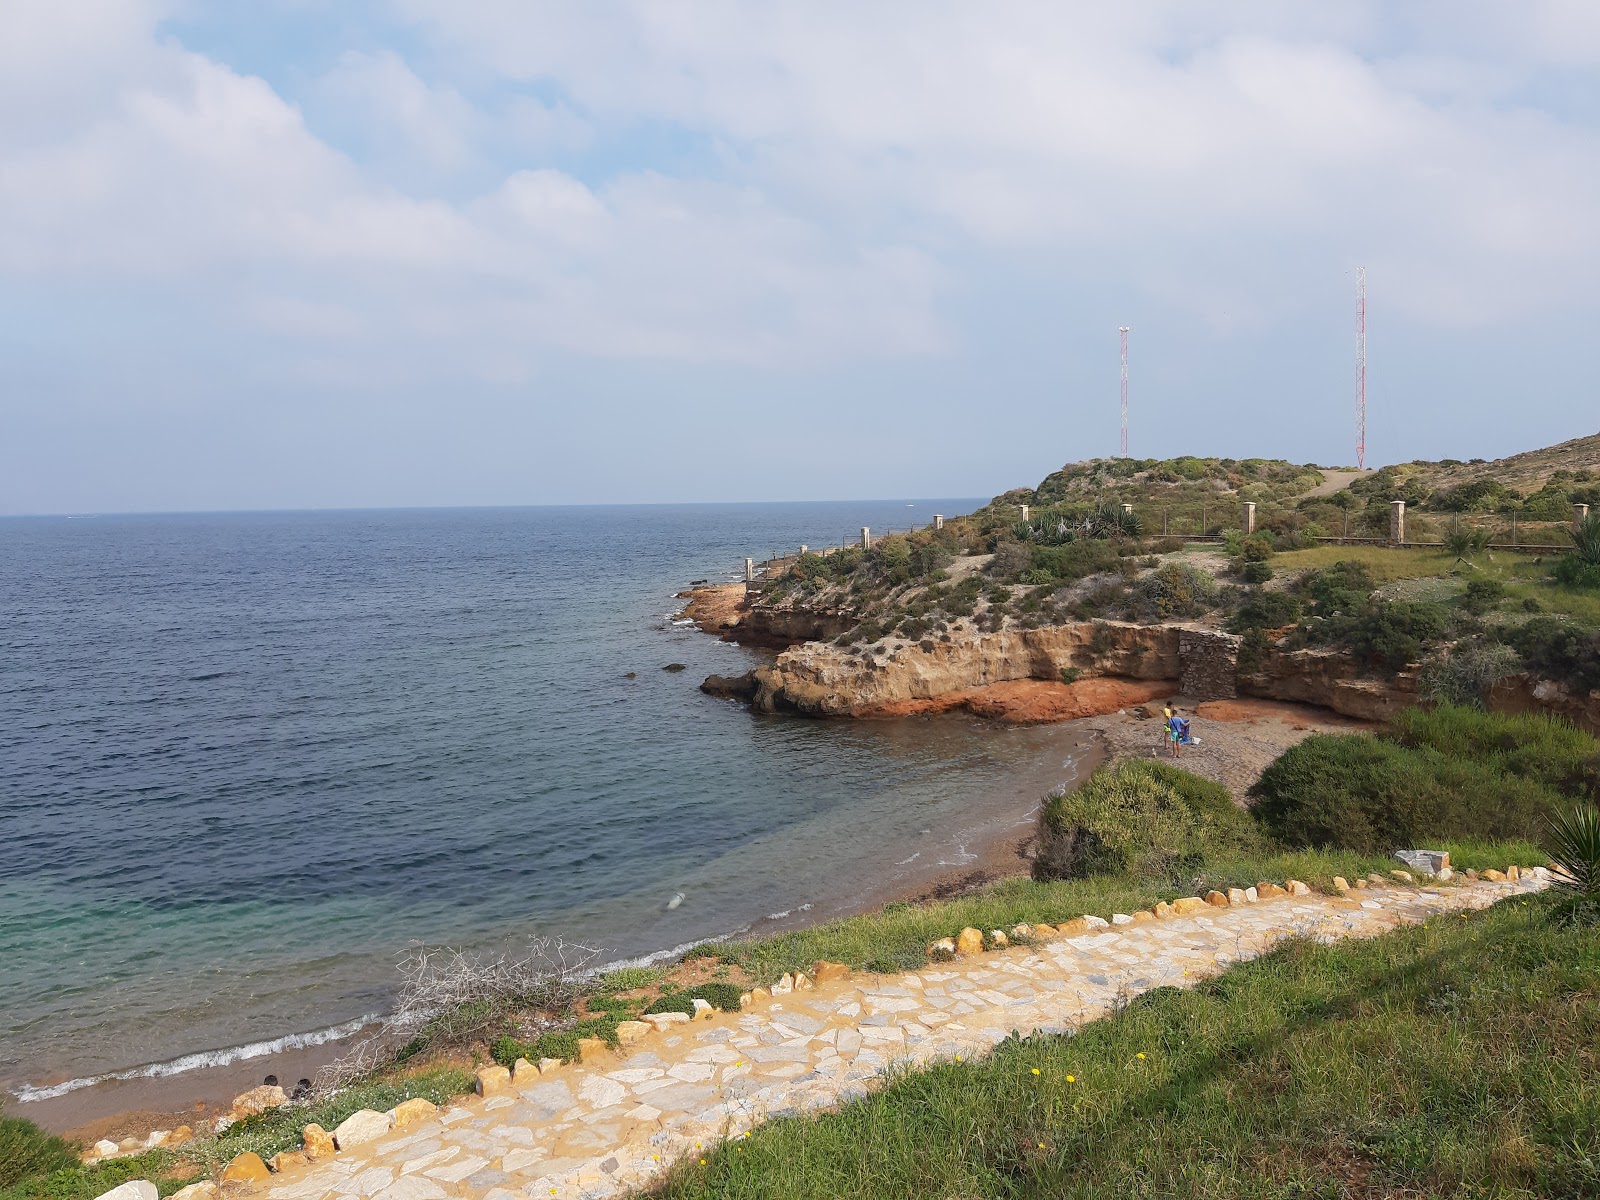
[(212, 675), (650, 960), (199, 1061)]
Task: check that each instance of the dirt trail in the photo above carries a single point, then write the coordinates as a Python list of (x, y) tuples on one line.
[(1335, 481)]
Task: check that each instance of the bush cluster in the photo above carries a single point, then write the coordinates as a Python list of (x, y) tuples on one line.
[(27, 1151), (1178, 589), (1453, 772), (724, 996), (1145, 819), (1559, 650)]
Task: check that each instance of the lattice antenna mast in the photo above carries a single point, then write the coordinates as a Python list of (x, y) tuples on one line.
[(1361, 367), (1124, 331)]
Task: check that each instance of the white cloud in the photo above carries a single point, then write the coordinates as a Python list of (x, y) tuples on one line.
[(856, 159), (1098, 130), (184, 169)]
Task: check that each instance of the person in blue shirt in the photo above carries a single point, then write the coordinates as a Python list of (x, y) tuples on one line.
[(1177, 732)]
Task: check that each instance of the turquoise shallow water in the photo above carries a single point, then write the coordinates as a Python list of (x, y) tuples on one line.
[(246, 760)]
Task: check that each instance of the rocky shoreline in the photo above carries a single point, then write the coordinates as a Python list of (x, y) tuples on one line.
[(1056, 672)]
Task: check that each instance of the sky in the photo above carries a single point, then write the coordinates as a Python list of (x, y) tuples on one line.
[(299, 253)]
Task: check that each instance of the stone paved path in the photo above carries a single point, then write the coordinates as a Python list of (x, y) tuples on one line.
[(600, 1129)]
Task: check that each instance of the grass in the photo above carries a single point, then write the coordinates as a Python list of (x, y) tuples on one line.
[(266, 1135), (1460, 1058), (1524, 578), (893, 939), (897, 938), (1385, 564), (279, 1129), (27, 1150)]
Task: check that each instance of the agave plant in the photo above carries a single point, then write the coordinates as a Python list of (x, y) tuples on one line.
[(1575, 846), (1586, 540)]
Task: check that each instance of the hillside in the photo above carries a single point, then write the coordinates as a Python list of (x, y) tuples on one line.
[(1138, 569), (1541, 484)]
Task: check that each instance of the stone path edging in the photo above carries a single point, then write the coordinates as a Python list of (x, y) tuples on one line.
[(605, 1127)]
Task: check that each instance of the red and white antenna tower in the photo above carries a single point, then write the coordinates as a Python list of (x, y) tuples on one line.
[(1361, 368), (1123, 329)]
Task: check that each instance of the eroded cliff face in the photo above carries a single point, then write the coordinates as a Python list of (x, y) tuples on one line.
[(1021, 674), (827, 680), (1330, 679), (1525, 693), (778, 628), (724, 609)]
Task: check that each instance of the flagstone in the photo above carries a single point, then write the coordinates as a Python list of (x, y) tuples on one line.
[(592, 1132)]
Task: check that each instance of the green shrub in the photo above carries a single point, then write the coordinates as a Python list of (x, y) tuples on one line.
[(1266, 610), (1464, 675), (1387, 635), (1546, 749), (719, 995), (1482, 594), (1466, 542), (1575, 844), (1572, 571), (1586, 540), (1178, 590), (1557, 649), (1451, 773), (1256, 548), (678, 1002), (1253, 647), (1255, 572), (1342, 588), (1146, 819), (27, 1151)]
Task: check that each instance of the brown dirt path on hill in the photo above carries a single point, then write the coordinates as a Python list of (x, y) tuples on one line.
[(1336, 481)]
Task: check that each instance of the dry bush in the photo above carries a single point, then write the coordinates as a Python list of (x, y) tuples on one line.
[(452, 998)]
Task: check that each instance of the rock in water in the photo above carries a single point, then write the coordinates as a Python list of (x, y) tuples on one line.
[(675, 667), (731, 687)]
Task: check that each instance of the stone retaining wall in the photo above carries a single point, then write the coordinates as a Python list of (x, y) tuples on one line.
[(1208, 663)]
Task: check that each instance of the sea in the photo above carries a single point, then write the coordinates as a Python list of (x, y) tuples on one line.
[(249, 761)]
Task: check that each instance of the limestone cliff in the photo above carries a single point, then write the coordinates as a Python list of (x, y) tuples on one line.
[(1526, 693), (827, 680), (1329, 679), (731, 612)]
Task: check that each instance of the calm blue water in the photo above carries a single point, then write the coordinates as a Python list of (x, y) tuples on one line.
[(246, 759)]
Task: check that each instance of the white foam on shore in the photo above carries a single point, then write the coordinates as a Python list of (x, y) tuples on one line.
[(201, 1060)]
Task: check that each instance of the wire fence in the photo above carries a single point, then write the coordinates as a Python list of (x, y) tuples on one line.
[(1512, 532)]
